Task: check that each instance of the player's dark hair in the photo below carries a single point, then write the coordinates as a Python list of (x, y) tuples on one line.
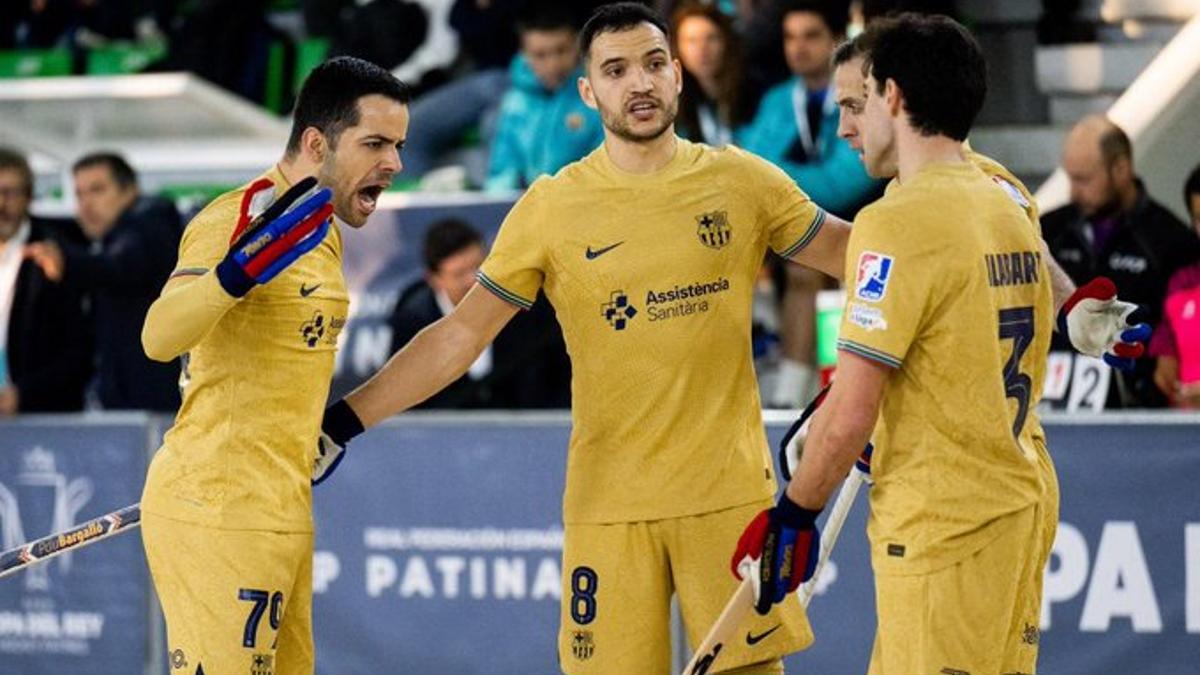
[(446, 237), (618, 17), (328, 100), (937, 65), (121, 172), (546, 15), (1191, 187), (11, 160), (846, 52), (835, 15)]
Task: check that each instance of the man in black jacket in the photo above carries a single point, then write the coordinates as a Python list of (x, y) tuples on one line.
[(525, 367), (45, 349), (134, 242), (1113, 228)]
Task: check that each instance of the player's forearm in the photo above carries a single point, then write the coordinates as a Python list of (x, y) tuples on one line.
[(1060, 284), (841, 429), (185, 312), (437, 356), (827, 251), (829, 453)]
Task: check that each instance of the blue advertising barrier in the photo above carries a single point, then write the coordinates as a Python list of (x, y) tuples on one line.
[(86, 611), (438, 550), (438, 546), (436, 525)]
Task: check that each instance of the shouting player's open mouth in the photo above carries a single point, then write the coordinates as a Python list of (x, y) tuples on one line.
[(368, 196)]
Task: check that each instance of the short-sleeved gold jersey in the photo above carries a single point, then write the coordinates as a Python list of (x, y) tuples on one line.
[(651, 277), (239, 455), (945, 283)]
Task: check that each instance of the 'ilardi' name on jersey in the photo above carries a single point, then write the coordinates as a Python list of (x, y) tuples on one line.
[(682, 300), (1013, 269)]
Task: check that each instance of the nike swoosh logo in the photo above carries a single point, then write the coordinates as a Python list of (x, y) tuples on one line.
[(306, 291), (592, 255), (752, 639)]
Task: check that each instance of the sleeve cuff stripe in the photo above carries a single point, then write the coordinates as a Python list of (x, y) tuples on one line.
[(813, 228), (188, 272), (869, 353), (504, 294)]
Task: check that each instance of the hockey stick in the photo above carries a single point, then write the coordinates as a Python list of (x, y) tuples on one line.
[(742, 603), (16, 559)]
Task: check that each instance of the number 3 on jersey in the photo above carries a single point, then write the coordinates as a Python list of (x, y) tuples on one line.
[(1017, 324)]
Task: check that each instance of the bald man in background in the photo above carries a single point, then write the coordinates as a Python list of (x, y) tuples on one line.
[(1113, 228)]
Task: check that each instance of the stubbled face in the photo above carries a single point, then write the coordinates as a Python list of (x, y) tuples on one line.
[(701, 47), (455, 275), (633, 82), (552, 54), (1093, 189), (877, 129), (807, 44), (14, 202), (100, 200), (366, 158)]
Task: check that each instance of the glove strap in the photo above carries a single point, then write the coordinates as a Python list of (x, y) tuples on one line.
[(233, 278), (341, 423), (795, 516)]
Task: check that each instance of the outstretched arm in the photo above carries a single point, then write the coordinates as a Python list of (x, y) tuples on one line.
[(437, 356), (827, 251)]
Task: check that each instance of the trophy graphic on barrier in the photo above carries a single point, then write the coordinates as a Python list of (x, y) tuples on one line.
[(40, 500)]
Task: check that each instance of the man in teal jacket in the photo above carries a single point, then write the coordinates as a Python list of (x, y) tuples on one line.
[(796, 129), (796, 124), (543, 124)]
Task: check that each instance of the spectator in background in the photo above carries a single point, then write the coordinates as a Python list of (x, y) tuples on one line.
[(1176, 343), (45, 348), (525, 367), (543, 124), (486, 31), (1113, 228), (134, 241), (711, 106), (796, 124), (796, 129)]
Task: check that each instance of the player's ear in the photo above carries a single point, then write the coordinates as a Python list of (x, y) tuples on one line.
[(893, 98), (678, 76), (314, 145), (586, 93)]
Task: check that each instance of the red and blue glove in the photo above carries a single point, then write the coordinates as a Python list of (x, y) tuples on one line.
[(1101, 326), (288, 228), (785, 544)]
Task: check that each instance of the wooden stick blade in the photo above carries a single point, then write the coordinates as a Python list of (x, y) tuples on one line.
[(724, 629)]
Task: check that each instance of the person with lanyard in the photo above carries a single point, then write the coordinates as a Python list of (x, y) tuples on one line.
[(796, 124)]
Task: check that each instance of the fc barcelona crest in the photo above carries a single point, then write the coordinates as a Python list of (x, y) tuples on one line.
[(582, 644), (713, 229)]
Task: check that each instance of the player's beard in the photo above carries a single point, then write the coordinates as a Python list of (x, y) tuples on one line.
[(343, 191), (615, 121)]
